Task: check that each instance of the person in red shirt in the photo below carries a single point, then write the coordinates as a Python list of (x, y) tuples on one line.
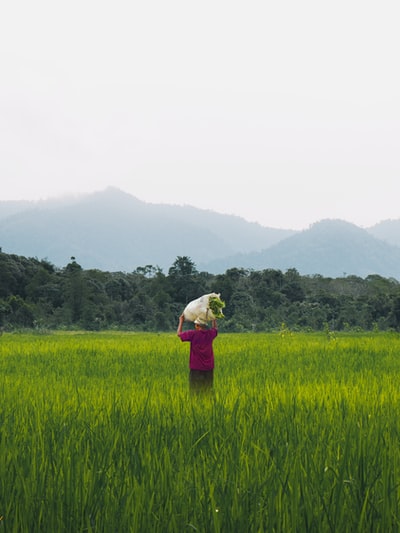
[(201, 359)]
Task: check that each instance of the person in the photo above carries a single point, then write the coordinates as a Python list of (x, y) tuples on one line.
[(201, 358)]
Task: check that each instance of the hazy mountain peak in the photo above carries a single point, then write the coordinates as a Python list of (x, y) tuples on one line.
[(113, 230), (330, 247), (388, 231), (333, 224), (112, 193)]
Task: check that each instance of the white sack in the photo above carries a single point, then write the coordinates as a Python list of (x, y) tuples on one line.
[(199, 308)]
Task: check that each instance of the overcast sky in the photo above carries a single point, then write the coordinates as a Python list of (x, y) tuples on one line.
[(282, 112)]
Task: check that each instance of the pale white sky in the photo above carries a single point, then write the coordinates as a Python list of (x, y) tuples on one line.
[(282, 112)]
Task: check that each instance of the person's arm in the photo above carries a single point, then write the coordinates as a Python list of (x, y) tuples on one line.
[(180, 324), (214, 324)]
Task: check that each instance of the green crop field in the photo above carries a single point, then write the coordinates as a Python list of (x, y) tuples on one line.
[(98, 433)]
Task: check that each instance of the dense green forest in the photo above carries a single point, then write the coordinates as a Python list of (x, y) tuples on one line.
[(36, 294)]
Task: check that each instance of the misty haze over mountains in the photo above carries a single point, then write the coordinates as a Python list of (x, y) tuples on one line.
[(114, 231)]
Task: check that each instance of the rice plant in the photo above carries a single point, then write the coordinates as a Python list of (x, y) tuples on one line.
[(98, 432)]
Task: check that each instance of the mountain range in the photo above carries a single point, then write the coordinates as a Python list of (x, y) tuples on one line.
[(114, 231)]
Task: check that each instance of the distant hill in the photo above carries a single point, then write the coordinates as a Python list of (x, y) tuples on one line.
[(388, 231), (332, 248), (112, 230), (12, 207)]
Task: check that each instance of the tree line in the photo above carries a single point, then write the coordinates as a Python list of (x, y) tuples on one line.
[(36, 294)]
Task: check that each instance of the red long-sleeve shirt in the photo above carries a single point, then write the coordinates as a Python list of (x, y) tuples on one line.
[(201, 347)]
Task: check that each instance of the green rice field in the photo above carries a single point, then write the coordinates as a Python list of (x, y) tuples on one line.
[(99, 433)]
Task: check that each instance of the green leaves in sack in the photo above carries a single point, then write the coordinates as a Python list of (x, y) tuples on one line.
[(216, 305)]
